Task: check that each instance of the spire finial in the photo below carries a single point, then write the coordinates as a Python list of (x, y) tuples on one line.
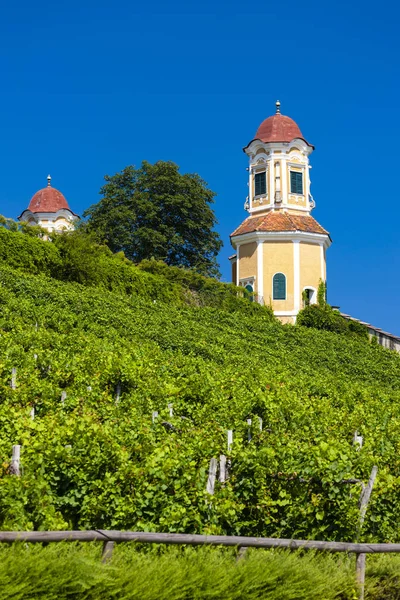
[(48, 180), (278, 107)]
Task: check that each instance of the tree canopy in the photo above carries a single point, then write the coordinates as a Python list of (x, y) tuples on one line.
[(157, 212)]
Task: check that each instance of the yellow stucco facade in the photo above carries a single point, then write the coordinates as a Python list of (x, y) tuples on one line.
[(248, 261), (278, 258), (312, 269)]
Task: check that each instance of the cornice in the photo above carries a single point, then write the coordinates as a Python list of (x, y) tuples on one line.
[(282, 236)]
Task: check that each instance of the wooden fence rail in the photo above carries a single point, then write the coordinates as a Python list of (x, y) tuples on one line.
[(102, 535), (110, 537)]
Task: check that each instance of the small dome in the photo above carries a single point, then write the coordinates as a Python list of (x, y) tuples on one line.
[(48, 200), (278, 128)]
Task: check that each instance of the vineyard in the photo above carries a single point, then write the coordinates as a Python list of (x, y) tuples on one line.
[(91, 347)]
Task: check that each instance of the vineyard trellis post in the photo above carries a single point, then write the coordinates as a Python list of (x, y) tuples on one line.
[(15, 460), (212, 473), (363, 504), (14, 378)]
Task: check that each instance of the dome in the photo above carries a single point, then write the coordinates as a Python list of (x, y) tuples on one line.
[(48, 200), (278, 128)]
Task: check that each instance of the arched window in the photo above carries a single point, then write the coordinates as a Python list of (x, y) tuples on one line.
[(309, 296), (279, 287), (250, 289)]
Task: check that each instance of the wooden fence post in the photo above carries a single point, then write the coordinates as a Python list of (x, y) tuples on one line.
[(108, 548), (211, 476), (171, 410), (249, 430), (118, 392), (14, 378), (32, 413), (222, 468), (15, 461), (154, 415), (363, 504), (63, 396), (260, 421), (230, 439), (357, 440), (360, 574)]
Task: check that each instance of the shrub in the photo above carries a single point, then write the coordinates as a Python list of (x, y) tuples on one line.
[(327, 319)]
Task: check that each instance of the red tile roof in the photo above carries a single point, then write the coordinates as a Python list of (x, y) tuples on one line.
[(48, 200), (280, 221)]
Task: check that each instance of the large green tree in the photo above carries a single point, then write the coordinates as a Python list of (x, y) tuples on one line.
[(155, 211)]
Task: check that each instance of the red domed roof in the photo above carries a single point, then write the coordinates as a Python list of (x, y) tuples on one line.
[(48, 200), (278, 128)]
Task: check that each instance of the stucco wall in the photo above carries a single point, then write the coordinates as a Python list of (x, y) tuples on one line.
[(278, 258), (310, 265), (233, 265), (248, 260)]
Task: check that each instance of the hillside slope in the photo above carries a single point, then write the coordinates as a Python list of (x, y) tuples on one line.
[(92, 457)]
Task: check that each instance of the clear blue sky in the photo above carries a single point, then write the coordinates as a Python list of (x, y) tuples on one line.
[(90, 87)]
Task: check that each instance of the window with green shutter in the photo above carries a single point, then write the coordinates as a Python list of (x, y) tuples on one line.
[(260, 184), (250, 289), (296, 182), (279, 287)]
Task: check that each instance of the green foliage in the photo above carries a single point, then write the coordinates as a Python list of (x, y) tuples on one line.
[(321, 294), (28, 252), (76, 257), (98, 461), (324, 317), (155, 211), (122, 342), (207, 291), (64, 571)]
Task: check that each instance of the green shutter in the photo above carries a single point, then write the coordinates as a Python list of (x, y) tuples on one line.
[(250, 289), (296, 182), (260, 184), (279, 287)]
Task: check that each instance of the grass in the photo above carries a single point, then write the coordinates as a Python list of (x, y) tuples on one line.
[(66, 571), (69, 571)]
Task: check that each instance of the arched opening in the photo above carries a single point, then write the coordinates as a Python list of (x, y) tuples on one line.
[(250, 289), (309, 296), (279, 287)]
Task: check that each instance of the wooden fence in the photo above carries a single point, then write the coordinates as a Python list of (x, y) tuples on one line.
[(110, 537)]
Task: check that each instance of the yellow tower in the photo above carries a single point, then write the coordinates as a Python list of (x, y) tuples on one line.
[(280, 247)]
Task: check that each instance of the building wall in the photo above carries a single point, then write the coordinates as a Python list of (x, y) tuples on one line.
[(278, 258), (310, 266), (234, 272), (53, 224), (248, 261)]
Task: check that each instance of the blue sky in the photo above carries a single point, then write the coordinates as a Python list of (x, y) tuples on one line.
[(90, 87)]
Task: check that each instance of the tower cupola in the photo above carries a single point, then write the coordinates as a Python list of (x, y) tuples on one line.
[(280, 248), (279, 167), (49, 209)]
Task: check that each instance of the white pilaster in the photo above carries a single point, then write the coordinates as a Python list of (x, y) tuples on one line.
[(237, 263), (322, 262), (271, 182), (284, 183), (260, 270), (296, 268), (307, 185)]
